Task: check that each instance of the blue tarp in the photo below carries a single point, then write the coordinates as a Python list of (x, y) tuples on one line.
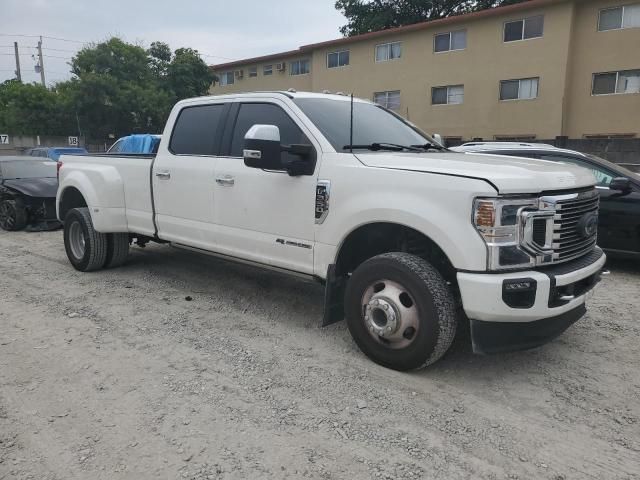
[(141, 143)]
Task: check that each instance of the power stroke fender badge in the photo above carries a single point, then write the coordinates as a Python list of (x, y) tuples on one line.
[(323, 191), (289, 243), (588, 225)]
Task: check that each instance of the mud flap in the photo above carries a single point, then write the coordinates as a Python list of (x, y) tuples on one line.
[(333, 297)]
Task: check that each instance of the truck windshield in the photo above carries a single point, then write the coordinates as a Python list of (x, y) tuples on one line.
[(372, 124)]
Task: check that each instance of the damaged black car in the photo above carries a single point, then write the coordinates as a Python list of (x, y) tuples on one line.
[(28, 194)]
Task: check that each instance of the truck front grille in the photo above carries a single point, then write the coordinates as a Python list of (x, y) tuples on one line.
[(563, 228), (573, 234)]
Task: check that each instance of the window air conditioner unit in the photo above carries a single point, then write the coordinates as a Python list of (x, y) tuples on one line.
[(239, 73), (280, 67)]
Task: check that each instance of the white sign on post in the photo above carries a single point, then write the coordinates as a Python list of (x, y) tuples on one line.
[(4, 139), (73, 141)]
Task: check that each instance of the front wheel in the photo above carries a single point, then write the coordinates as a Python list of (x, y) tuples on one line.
[(13, 215), (86, 248), (400, 311)]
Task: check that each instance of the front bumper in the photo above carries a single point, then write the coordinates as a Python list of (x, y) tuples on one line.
[(553, 300), (500, 337)]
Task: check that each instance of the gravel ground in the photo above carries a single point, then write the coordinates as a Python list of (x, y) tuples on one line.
[(115, 374)]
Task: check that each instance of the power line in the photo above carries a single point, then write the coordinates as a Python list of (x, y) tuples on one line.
[(38, 36), (59, 50), (215, 56)]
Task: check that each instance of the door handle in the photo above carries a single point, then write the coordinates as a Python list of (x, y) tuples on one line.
[(225, 181), (164, 175)]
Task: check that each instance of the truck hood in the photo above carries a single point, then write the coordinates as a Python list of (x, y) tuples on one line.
[(34, 187), (507, 174)]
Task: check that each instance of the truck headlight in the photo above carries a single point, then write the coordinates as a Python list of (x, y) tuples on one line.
[(497, 220)]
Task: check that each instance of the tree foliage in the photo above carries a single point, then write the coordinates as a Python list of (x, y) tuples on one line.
[(33, 110), (118, 89), (371, 15)]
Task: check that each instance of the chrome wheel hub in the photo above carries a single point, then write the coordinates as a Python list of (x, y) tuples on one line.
[(76, 240), (381, 316), (390, 314)]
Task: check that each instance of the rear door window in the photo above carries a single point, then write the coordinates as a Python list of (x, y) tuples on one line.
[(196, 130), (251, 114)]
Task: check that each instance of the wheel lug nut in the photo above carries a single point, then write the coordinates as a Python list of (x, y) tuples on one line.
[(386, 307)]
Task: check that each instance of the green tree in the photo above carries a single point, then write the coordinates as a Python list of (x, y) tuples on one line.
[(371, 15), (31, 109), (187, 75), (118, 88), (115, 91), (159, 57)]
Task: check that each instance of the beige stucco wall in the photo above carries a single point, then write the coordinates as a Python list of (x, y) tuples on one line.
[(276, 81), (564, 59), (596, 52)]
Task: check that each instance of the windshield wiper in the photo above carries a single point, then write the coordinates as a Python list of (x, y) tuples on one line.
[(430, 146), (375, 147)]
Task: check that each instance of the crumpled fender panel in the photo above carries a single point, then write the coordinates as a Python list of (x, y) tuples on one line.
[(34, 187)]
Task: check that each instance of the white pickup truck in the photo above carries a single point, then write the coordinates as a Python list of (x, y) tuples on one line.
[(402, 232)]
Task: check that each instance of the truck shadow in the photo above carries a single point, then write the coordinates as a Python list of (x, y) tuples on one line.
[(297, 304)]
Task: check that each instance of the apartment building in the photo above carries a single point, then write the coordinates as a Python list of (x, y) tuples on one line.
[(534, 70)]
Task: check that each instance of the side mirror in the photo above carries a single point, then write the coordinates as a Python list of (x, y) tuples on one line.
[(621, 184), (438, 138), (262, 147)]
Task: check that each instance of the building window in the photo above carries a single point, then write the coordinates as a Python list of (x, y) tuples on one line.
[(226, 78), (300, 67), (627, 16), (390, 100), (625, 81), (253, 72), (449, 95), (523, 89), (388, 51), (445, 42), (338, 59), (267, 70), (524, 29)]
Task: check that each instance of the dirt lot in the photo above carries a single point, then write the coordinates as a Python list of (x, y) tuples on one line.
[(115, 375)]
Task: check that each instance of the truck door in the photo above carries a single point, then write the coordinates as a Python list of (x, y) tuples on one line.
[(183, 175), (265, 216)]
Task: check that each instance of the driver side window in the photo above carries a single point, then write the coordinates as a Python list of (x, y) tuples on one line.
[(603, 177)]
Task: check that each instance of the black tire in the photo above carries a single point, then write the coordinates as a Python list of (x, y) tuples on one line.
[(434, 303), (94, 252), (13, 215), (117, 249)]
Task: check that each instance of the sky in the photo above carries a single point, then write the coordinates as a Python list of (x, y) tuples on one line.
[(221, 30)]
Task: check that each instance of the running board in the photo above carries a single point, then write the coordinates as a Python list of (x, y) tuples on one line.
[(264, 266)]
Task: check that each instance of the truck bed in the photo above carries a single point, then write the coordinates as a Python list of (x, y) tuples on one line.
[(106, 173)]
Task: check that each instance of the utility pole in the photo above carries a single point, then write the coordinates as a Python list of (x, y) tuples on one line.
[(41, 63), (15, 48)]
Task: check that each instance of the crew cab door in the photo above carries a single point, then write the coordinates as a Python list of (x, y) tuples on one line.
[(183, 175), (263, 215)]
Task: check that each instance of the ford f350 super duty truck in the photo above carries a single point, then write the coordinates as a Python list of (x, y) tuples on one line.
[(402, 232)]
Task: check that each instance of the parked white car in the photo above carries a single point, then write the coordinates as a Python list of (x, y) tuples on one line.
[(400, 230)]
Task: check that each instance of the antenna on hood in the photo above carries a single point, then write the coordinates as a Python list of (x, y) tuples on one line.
[(351, 126)]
